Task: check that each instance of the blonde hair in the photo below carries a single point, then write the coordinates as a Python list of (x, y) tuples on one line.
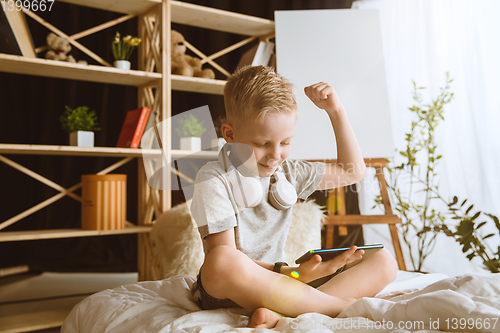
[(254, 91)]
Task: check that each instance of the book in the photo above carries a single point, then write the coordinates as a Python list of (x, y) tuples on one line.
[(263, 54), (147, 141), (259, 54), (133, 128), (15, 35)]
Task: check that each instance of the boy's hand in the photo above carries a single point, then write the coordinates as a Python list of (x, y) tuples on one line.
[(315, 268), (324, 97)]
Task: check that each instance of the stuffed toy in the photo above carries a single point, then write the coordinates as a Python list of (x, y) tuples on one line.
[(59, 48), (183, 64)]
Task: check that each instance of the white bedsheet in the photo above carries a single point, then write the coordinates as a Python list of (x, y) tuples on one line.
[(468, 303)]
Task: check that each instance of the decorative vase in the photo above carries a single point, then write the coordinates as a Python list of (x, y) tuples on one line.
[(191, 143), (217, 144), (104, 202), (81, 139), (122, 64)]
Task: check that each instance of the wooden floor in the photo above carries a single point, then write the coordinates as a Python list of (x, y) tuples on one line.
[(40, 303), (50, 330)]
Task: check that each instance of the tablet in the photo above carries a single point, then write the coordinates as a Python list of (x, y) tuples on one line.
[(328, 254)]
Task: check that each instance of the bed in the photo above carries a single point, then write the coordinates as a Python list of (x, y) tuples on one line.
[(463, 303), (467, 303)]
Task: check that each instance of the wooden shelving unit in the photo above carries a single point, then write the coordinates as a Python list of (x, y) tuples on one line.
[(154, 83)]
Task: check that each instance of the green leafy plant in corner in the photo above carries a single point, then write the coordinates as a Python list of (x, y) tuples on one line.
[(79, 119), (419, 216), (468, 235), (189, 126)]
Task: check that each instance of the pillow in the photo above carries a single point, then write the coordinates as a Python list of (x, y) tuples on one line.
[(176, 243), (305, 230)]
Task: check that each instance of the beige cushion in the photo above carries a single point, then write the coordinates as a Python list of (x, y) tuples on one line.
[(179, 250)]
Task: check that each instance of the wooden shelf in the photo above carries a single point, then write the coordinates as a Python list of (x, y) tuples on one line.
[(197, 85), (119, 6), (189, 14), (12, 236), (26, 149), (65, 70), (221, 20)]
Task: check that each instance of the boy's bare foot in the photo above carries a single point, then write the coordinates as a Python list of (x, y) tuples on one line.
[(264, 318)]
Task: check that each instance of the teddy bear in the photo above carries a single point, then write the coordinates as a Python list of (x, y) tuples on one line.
[(59, 48), (183, 64)]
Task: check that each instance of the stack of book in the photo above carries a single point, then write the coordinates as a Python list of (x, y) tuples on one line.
[(136, 123)]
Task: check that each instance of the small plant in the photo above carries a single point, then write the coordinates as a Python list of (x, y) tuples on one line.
[(189, 126), (468, 235), (123, 48), (420, 216), (79, 119)]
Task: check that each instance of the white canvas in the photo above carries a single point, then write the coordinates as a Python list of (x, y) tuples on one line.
[(344, 48)]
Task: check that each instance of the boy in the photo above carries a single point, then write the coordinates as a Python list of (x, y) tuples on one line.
[(244, 247)]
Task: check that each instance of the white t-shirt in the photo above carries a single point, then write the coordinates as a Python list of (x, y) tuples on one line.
[(260, 232)]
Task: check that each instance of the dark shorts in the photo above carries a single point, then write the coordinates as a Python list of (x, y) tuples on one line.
[(207, 302)]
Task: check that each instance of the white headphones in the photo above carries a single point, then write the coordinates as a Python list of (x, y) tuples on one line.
[(247, 190)]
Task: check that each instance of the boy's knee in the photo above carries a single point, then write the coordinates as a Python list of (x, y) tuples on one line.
[(221, 265), (387, 264)]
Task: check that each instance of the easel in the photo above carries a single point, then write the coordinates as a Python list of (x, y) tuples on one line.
[(342, 220)]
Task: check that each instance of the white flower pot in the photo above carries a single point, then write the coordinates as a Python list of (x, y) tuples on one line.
[(191, 143), (122, 64), (81, 139), (217, 144)]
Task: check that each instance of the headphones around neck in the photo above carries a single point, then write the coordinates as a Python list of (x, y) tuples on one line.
[(246, 187)]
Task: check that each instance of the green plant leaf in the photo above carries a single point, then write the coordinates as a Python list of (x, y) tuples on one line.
[(480, 225), (79, 119), (476, 216), (495, 219)]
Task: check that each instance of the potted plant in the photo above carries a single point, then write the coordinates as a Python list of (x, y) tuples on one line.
[(190, 131), (80, 123), (219, 142), (122, 50), (426, 215)]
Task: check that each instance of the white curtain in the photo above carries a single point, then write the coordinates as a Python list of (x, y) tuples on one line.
[(422, 40)]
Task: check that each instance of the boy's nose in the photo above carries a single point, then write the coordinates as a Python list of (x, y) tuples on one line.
[(273, 154)]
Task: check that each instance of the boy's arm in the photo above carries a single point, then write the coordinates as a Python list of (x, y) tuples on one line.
[(315, 268), (308, 271), (350, 167), (227, 238)]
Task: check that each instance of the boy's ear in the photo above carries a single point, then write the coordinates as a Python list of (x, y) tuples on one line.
[(228, 132)]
